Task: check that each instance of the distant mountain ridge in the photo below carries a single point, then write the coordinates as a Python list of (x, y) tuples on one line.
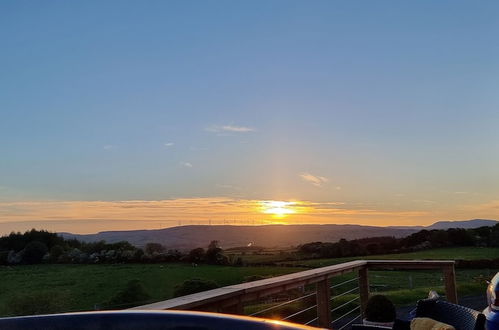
[(467, 224), (188, 237)]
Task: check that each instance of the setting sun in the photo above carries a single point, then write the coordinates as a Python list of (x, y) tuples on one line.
[(278, 209)]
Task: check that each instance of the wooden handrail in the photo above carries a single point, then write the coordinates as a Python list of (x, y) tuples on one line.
[(230, 299), (256, 289)]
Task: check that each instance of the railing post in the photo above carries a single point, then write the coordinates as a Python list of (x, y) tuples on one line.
[(450, 284), (323, 303), (363, 288)]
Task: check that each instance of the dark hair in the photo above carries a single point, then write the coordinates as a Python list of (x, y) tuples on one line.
[(380, 309)]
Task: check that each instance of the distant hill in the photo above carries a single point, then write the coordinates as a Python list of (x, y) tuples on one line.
[(467, 224), (188, 237)]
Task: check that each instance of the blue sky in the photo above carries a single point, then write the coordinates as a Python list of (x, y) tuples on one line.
[(391, 106)]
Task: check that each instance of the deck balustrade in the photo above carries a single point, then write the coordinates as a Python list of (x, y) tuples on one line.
[(319, 293)]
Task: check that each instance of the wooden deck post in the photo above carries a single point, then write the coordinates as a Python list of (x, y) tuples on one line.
[(450, 284), (324, 303), (363, 288)]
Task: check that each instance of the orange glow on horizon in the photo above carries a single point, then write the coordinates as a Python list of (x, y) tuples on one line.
[(94, 216), (278, 209)]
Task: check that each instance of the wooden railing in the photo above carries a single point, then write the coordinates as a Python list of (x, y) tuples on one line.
[(231, 299)]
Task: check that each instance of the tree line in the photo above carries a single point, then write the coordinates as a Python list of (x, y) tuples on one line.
[(423, 239), (41, 246)]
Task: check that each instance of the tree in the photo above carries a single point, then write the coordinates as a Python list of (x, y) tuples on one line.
[(152, 248), (33, 252), (372, 248), (214, 254), (196, 255), (55, 252)]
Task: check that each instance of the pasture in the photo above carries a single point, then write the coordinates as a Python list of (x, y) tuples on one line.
[(465, 253), (86, 287), (89, 287)]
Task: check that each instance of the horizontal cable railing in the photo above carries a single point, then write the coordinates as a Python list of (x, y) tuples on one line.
[(349, 322), (321, 303), (344, 315), (343, 283), (344, 293), (282, 304), (299, 312), (344, 304)]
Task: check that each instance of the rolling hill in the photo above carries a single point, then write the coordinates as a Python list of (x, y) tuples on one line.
[(188, 237)]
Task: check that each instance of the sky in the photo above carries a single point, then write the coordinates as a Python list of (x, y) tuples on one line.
[(147, 114)]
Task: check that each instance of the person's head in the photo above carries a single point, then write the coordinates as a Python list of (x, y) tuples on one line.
[(380, 309)]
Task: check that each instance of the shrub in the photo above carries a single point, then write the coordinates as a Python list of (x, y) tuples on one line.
[(45, 302), (152, 248), (55, 252), (33, 252), (133, 294), (4, 257), (193, 286), (380, 309), (196, 255)]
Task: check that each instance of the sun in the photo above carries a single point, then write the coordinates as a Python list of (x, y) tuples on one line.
[(278, 209)]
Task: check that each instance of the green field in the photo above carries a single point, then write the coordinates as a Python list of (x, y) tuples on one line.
[(466, 253), (82, 287), (86, 287)]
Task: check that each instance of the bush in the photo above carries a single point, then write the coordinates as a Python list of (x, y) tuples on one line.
[(380, 309), (4, 257), (55, 252), (196, 255), (152, 248), (132, 295), (33, 252), (45, 302), (193, 286)]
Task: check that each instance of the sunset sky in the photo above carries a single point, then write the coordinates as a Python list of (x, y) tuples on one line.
[(148, 114)]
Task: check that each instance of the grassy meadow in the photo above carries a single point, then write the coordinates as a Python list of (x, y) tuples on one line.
[(86, 287), (465, 253)]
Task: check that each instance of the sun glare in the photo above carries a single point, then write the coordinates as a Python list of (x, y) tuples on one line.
[(278, 209)]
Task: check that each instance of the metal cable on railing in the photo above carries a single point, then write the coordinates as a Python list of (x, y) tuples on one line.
[(347, 313), (283, 304), (344, 293), (345, 282), (348, 323), (343, 305), (311, 321), (299, 312), (263, 311)]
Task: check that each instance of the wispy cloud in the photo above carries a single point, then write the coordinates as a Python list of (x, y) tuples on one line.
[(169, 144), (186, 164), (230, 129), (108, 147), (316, 180)]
